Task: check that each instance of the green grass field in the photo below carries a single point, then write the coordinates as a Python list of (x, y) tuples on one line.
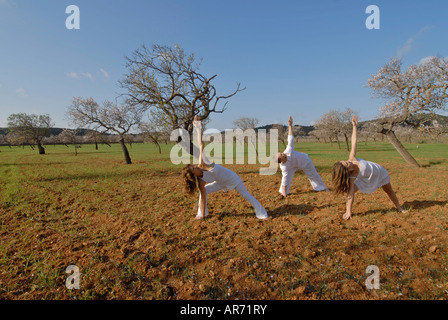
[(131, 230)]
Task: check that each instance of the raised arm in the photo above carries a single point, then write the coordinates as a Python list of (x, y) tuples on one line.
[(290, 126), (197, 126), (290, 146), (354, 138)]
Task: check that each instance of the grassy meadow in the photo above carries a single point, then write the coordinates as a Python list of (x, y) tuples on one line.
[(131, 230)]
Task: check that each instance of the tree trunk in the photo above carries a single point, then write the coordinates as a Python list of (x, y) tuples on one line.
[(127, 158), (158, 145), (346, 142), (400, 148), (41, 149), (339, 144)]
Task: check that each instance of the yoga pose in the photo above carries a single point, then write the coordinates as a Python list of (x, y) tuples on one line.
[(212, 177), (358, 174), (291, 160)]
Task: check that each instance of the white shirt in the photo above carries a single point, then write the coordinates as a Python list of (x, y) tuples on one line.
[(222, 175), (296, 160), (371, 176)]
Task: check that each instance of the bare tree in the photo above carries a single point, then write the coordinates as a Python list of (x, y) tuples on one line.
[(110, 117), (4, 141), (282, 133), (345, 124), (298, 131), (70, 136), (152, 131), (95, 137), (29, 128), (434, 130), (318, 134), (329, 125), (405, 132), (370, 130), (166, 81), (417, 90), (244, 123)]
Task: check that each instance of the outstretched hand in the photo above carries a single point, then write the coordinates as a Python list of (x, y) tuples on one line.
[(290, 121), (355, 121), (197, 123)]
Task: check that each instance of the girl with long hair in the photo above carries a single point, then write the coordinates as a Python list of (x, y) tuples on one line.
[(358, 174), (212, 177)]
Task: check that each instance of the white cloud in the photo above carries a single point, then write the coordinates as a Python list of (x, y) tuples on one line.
[(21, 92), (87, 75), (73, 75), (407, 47), (76, 75), (105, 74)]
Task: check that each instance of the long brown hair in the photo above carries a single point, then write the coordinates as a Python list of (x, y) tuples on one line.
[(341, 178), (190, 181)]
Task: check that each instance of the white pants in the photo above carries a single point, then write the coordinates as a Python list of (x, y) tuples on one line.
[(316, 181), (260, 211)]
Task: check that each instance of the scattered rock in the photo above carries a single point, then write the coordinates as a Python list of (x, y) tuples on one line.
[(309, 254), (433, 249), (300, 290)]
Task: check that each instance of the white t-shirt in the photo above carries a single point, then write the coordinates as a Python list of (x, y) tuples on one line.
[(222, 175), (371, 176), (296, 160)]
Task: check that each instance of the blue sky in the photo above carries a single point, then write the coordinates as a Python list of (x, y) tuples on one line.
[(299, 58)]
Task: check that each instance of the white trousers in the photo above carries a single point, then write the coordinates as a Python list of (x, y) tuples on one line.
[(315, 179), (260, 211)]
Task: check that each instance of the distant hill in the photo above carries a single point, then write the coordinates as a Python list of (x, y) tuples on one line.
[(421, 119), (54, 131), (306, 129), (425, 119)]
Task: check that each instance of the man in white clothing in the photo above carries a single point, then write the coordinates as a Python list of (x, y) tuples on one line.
[(291, 160)]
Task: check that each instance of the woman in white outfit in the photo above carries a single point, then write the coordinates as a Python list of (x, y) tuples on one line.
[(358, 174), (291, 161), (209, 178)]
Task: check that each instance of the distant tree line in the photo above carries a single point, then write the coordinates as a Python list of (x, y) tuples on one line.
[(331, 128), (163, 91), (73, 137)]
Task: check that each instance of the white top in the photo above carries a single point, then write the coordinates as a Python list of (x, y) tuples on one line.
[(371, 176), (296, 160), (222, 176)]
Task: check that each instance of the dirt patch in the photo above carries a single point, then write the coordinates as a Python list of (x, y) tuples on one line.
[(140, 241)]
